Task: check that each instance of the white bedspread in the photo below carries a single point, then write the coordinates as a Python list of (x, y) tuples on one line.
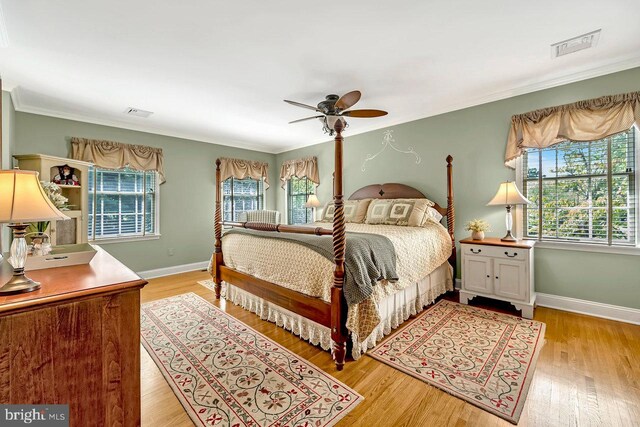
[(419, 251)]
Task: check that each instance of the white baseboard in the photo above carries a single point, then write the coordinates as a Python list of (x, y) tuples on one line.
[(590, 308), (457, 284), (167, 271), (597, 309)]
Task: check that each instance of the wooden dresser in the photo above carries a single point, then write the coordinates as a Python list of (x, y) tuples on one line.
[(75, 341)]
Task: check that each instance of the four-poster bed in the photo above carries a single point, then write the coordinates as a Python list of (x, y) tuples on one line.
[(332, 313)]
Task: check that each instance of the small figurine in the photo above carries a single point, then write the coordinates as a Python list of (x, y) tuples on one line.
[(66, 176)]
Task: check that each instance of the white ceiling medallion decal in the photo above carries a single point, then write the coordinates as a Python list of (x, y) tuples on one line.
[(388, 141)]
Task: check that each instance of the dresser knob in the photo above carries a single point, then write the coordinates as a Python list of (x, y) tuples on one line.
[(479, 250), (496, 277), (515, 254)]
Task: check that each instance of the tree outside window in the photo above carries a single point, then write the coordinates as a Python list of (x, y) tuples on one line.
[(241, 195), (298, 191), (582, 191), (122, 203)]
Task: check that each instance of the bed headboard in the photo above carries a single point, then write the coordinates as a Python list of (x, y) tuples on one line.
[(402, 191), (392, 191)]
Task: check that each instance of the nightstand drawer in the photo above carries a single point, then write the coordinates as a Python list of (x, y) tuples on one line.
[(495, 251)]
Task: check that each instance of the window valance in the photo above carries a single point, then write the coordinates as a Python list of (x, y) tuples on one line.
[(241, 169), (580, 121), (116, 155), (300, 168)]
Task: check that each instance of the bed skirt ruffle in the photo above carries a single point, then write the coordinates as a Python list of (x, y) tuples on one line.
[(394, 310)]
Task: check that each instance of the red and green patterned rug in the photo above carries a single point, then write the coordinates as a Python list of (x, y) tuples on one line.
[(226, 374), (483, 357)]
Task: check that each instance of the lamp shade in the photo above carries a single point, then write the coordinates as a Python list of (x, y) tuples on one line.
[(312, 201), (508, 195), (22, 198)]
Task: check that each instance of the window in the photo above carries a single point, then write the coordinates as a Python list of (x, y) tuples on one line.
[(122, 203), (298, 191), (589, 191), (240, 195)]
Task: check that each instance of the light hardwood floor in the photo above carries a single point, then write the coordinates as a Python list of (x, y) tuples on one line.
[(588, 374)]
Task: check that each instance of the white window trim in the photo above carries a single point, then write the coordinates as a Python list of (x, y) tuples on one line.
[(221, 190), (125, 239), (314, 213), (109, 240), (582, 246)]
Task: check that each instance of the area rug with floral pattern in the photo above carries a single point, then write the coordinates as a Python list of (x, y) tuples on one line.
[(483, 357), (225, 373)]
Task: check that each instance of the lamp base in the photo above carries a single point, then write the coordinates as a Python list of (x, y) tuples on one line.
[(509, 237), (18, 284)]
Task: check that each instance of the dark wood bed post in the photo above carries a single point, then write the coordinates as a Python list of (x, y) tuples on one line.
[(217, 254), (451, 215), (339, 333)]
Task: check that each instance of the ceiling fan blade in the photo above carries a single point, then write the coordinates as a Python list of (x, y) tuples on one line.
[(298, 104), (307, 118), (364, 113), (348, 100)]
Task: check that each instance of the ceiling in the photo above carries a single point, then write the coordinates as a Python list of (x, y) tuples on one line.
[(217, 71)]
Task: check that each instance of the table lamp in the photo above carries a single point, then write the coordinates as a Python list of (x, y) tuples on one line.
[(22, 200), (313, 203), (508, 195)]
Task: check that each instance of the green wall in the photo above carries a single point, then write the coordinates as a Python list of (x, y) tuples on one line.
[(8, 128), (476, 138), (8, 136), (186, 199)]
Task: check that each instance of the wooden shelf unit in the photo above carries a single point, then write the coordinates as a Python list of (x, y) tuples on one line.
[(64, 232)]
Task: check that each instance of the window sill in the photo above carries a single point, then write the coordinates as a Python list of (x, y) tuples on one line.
[(107, 241), (586, 247)]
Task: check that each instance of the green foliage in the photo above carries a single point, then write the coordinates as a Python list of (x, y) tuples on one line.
[(298, 190), (575, 193)]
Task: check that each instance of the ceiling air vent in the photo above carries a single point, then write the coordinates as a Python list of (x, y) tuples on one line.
[(575, 44), (138, 112)]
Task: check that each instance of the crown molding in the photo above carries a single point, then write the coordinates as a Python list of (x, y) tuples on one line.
[(21, 107), (4, 35), (622, 65)]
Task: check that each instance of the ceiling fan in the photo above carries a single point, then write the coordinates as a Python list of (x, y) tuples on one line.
[(335, 108)]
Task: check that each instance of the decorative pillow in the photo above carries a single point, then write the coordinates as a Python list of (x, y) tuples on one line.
[(432, 215), (409, 212), (354, 211)]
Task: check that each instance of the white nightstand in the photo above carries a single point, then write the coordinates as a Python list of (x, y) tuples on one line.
[(500, 270)]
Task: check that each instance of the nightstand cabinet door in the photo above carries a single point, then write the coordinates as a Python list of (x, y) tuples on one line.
[(499, 270), (510, 279), (477, 274)]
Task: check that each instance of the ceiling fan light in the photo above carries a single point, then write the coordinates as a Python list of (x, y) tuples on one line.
[(331, 121)]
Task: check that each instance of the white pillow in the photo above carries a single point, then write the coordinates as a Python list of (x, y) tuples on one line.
[(432, 215)]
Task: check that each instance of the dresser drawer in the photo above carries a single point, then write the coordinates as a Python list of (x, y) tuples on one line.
[(495, 251)]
